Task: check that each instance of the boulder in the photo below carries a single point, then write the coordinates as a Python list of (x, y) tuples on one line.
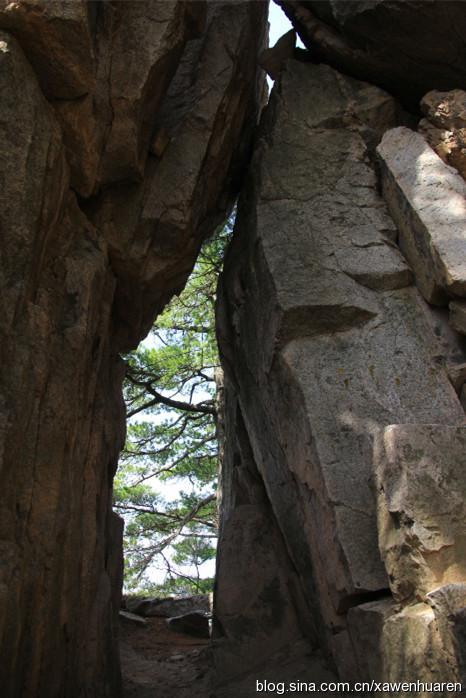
[(407, 47), (149, 224), (427, 201), (450, 146), (194, 623), (83, 140), (126, 132), (295, 663), (457, 375), (317, 319), (75, 286), (155, 34), (165, 608), (254, 617), (32, 153), (449, 348), (60, 541)]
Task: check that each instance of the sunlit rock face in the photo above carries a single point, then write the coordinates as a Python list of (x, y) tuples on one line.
[(125, 128), (343, 385)]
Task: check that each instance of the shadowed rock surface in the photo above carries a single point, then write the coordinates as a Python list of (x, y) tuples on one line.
[(407, 47), (85, 87), (194, 623), (422, 512)]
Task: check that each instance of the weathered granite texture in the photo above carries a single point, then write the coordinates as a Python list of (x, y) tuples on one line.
[(393, 645), (125, 131), (444, 127), (422, 507), (325, 343), (426, 198), (96, 235)]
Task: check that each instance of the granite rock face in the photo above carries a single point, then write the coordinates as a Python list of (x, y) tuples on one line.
[(84, 268), (194, 623), (422, 513), (393, 645), (444, 127), (427, 201), (325, 343), (126, 130)]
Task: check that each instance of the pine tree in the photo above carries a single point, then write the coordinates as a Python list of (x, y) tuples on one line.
[(172, 438)]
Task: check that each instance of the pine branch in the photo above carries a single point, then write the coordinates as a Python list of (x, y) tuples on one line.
[(180, 459), (159, 547), (167, 515), (158, 398)]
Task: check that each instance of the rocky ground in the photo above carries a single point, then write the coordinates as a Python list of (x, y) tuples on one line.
[(156, 661)]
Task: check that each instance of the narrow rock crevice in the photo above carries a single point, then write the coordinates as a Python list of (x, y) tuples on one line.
[(128, 130)]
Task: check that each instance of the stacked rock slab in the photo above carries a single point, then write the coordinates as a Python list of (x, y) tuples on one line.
[(96, 235), (326, 344), (426, 199)]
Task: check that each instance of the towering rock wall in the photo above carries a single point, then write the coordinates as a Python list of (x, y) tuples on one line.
[(345, 431), (125, 131), (125, 128)]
